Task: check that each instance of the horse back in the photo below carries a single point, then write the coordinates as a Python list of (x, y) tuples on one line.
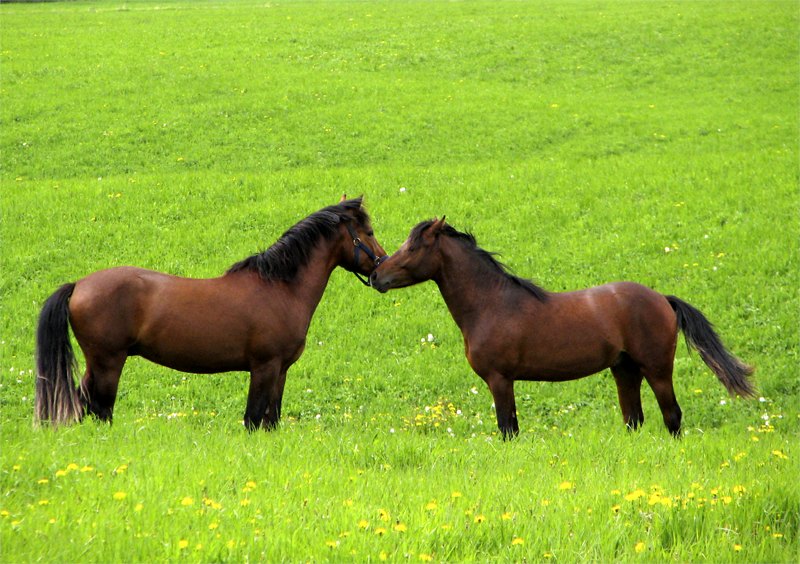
[(572, 334), (193, 325)]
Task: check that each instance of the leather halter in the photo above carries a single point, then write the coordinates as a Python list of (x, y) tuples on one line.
[(360, 246)]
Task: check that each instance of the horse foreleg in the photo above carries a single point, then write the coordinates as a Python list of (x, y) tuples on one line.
[(264, 396), (502, 389), (273, 414)]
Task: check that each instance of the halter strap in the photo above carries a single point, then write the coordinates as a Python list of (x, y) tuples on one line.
[(360, 246)]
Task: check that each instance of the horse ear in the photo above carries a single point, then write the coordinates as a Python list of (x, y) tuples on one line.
[(343, 198), (436, 227)]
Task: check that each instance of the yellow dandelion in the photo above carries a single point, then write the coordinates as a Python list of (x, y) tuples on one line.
[(640, 546), (245, 502), (634, 495), (213, 525), (779, 454), (383, 515), (380, 531), (120, 469), (87, 469), (72, 466), (431, 506), (138, 507), (119, 496), (425, 557), (44, 502), (616, 492), (479, 518), (777, 535), (60, 473), (615, 508), (231, 544), (506, 516), (383, 556), (187, 501), (455, 495), (43, 481), (400, 528), (363, 524), (565, 486), (517, 541), (4, 513), (738, 489), (545, 502), (183, 543), (331, 544), (737, 547), (251, 484), (446, 527), (547, 555)]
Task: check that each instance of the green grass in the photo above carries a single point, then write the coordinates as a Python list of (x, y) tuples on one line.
[(579, 139)]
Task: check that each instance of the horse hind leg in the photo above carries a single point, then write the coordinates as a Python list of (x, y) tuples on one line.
[(660, 381), (629, 383), (98, 390)]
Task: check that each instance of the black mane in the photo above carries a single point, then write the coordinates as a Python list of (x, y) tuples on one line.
[(293, 249), (486, 257)]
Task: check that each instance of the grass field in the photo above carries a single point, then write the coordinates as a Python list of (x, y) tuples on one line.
[(584, 141)]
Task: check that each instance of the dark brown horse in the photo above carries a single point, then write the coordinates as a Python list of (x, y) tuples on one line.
[(254, 318), (514, 330)]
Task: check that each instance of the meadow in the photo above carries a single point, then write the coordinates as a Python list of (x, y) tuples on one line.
[(584, 141)]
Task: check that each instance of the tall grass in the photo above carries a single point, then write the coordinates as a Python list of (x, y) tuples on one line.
[(586, 142)]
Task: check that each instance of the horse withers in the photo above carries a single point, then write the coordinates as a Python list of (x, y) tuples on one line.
[(254, 318), (514, 330)]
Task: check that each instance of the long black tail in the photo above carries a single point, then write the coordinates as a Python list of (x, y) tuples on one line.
[(57, 399), (700, 334)]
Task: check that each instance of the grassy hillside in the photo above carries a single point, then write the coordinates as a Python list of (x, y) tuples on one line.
[(585, 142)]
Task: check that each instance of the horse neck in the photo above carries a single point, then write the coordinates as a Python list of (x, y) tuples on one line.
[(467, 286), (312, 279)]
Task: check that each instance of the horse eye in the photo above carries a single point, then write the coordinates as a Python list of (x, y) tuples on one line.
[(370, 233)]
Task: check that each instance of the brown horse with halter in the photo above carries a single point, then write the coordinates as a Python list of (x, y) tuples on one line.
[(514, 330), (254, 318)]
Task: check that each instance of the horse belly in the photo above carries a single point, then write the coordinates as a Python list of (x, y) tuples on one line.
[(197, 340), (565, 352)]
